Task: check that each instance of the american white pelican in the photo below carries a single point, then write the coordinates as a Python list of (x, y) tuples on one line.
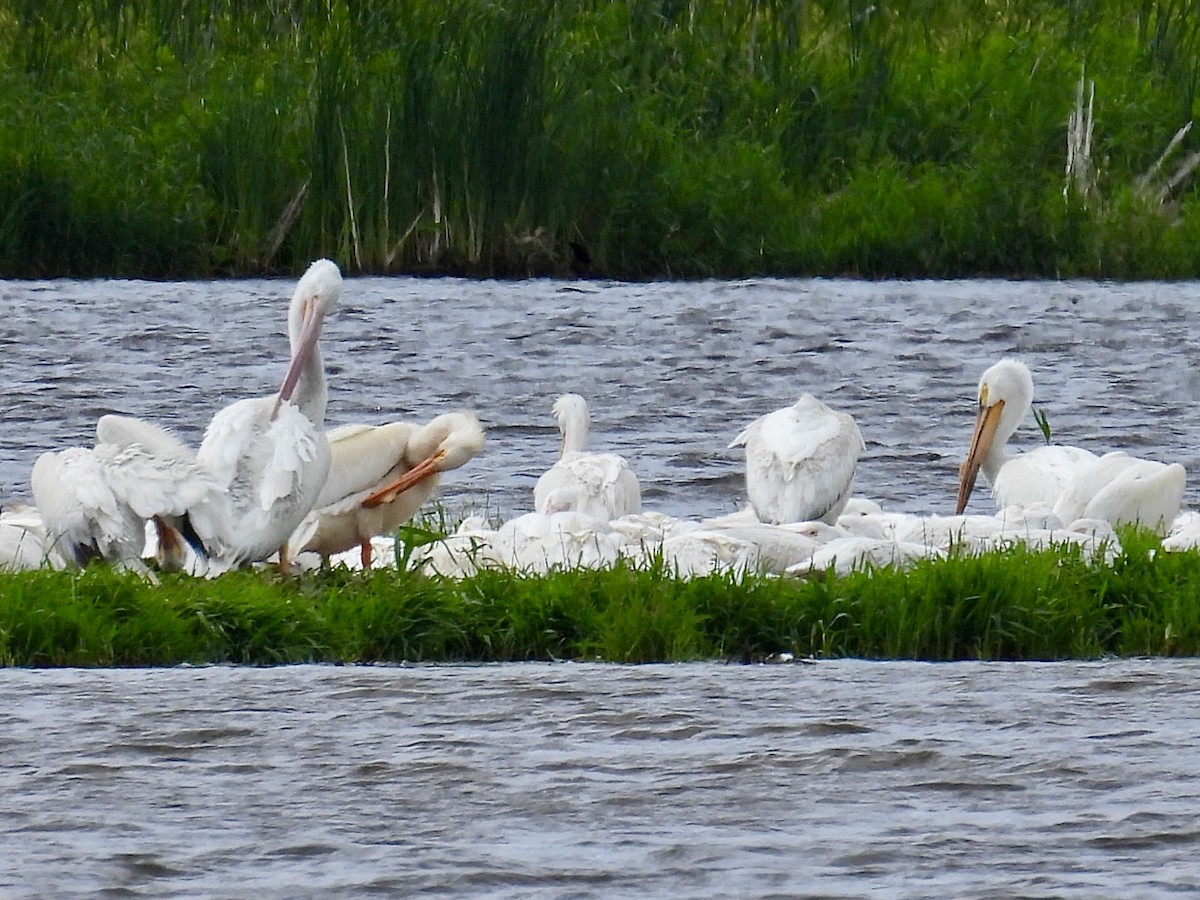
[(800, 462), (189, 511), (95, 503), (23, 540), (1116, 487), (270, 453), (380, 476), (599, 485), (1039, 476)]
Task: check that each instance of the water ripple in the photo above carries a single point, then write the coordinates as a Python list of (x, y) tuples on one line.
[(673, 370)]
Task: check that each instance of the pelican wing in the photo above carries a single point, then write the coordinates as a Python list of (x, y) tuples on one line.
[(1121, 489), (363, 458), (294, 446), (84, 517), (1039, 476), (800, 461)]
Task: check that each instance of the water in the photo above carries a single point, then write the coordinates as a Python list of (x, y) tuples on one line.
[(673, 371), (839, 779), (836, 779)]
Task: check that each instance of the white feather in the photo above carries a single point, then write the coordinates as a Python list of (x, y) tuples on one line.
[(800, 462)]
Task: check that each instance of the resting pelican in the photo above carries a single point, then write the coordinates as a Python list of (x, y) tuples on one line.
[(800, 462), (23, 540), (380, 476), (95, 503), (598, 485), (1117, 487), (270, 453)]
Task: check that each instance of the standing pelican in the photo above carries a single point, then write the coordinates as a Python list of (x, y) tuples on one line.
[(600, 485), (1117, 488), (270, 453), (379, 477), (800, 461)]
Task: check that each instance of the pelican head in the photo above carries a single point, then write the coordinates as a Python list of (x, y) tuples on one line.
[(317, 293), (571, 411), (446, 442), (1005, 396)]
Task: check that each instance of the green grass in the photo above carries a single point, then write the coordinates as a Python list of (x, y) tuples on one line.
[(1014, 604), (669, 139)]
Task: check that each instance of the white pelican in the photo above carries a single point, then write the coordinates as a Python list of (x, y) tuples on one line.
[(1039, 476), (23, 540), (598, 485), (95, 503), (194, 514), (270, 453), (800, 462), (380, 476), (1116, 487)]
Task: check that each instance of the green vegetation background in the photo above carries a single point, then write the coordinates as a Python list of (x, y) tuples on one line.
[(629, 139)]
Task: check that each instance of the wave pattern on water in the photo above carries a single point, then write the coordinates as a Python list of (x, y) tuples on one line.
[(673, 371), (840, 779)]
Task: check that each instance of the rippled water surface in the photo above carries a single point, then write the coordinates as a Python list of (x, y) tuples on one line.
[(836, 779), (673, 370)]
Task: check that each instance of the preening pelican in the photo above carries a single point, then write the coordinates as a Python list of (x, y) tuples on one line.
[(800, 462), (270, 453), (194, 513), (1116, 487), (95, 503), (598, 485), (380, 476)]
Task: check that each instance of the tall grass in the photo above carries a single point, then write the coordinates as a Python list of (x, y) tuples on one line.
[(1015, 604), (658, 138)]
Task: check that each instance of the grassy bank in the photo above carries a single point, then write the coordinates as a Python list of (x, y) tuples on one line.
[(630, 139), (1016, 604)]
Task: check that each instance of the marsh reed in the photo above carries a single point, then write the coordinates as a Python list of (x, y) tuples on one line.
[(680, 139)]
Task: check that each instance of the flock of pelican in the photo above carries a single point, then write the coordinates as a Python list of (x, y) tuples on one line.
[(268, 484)]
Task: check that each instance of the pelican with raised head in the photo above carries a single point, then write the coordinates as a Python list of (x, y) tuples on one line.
[(1077, 484), (270, 453), (599, 485)]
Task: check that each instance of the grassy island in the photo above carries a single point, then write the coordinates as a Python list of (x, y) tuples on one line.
[(630, 139), (1011, 604)]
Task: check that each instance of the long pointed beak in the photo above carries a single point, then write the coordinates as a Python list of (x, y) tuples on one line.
[(310, 332), (418, 473), (981, 443)]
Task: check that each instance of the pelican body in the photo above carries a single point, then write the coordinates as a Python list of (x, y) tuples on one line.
[(270, 453), (800, 462), (380, 476), (1116, 487), (599, 485), (96, 503)]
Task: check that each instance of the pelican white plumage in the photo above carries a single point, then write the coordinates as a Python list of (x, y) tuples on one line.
[(95, 503), (1039, 476), (23, 540), (1076, 483), (380, 476), (800, 462), (599, 485), (270, 453)]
